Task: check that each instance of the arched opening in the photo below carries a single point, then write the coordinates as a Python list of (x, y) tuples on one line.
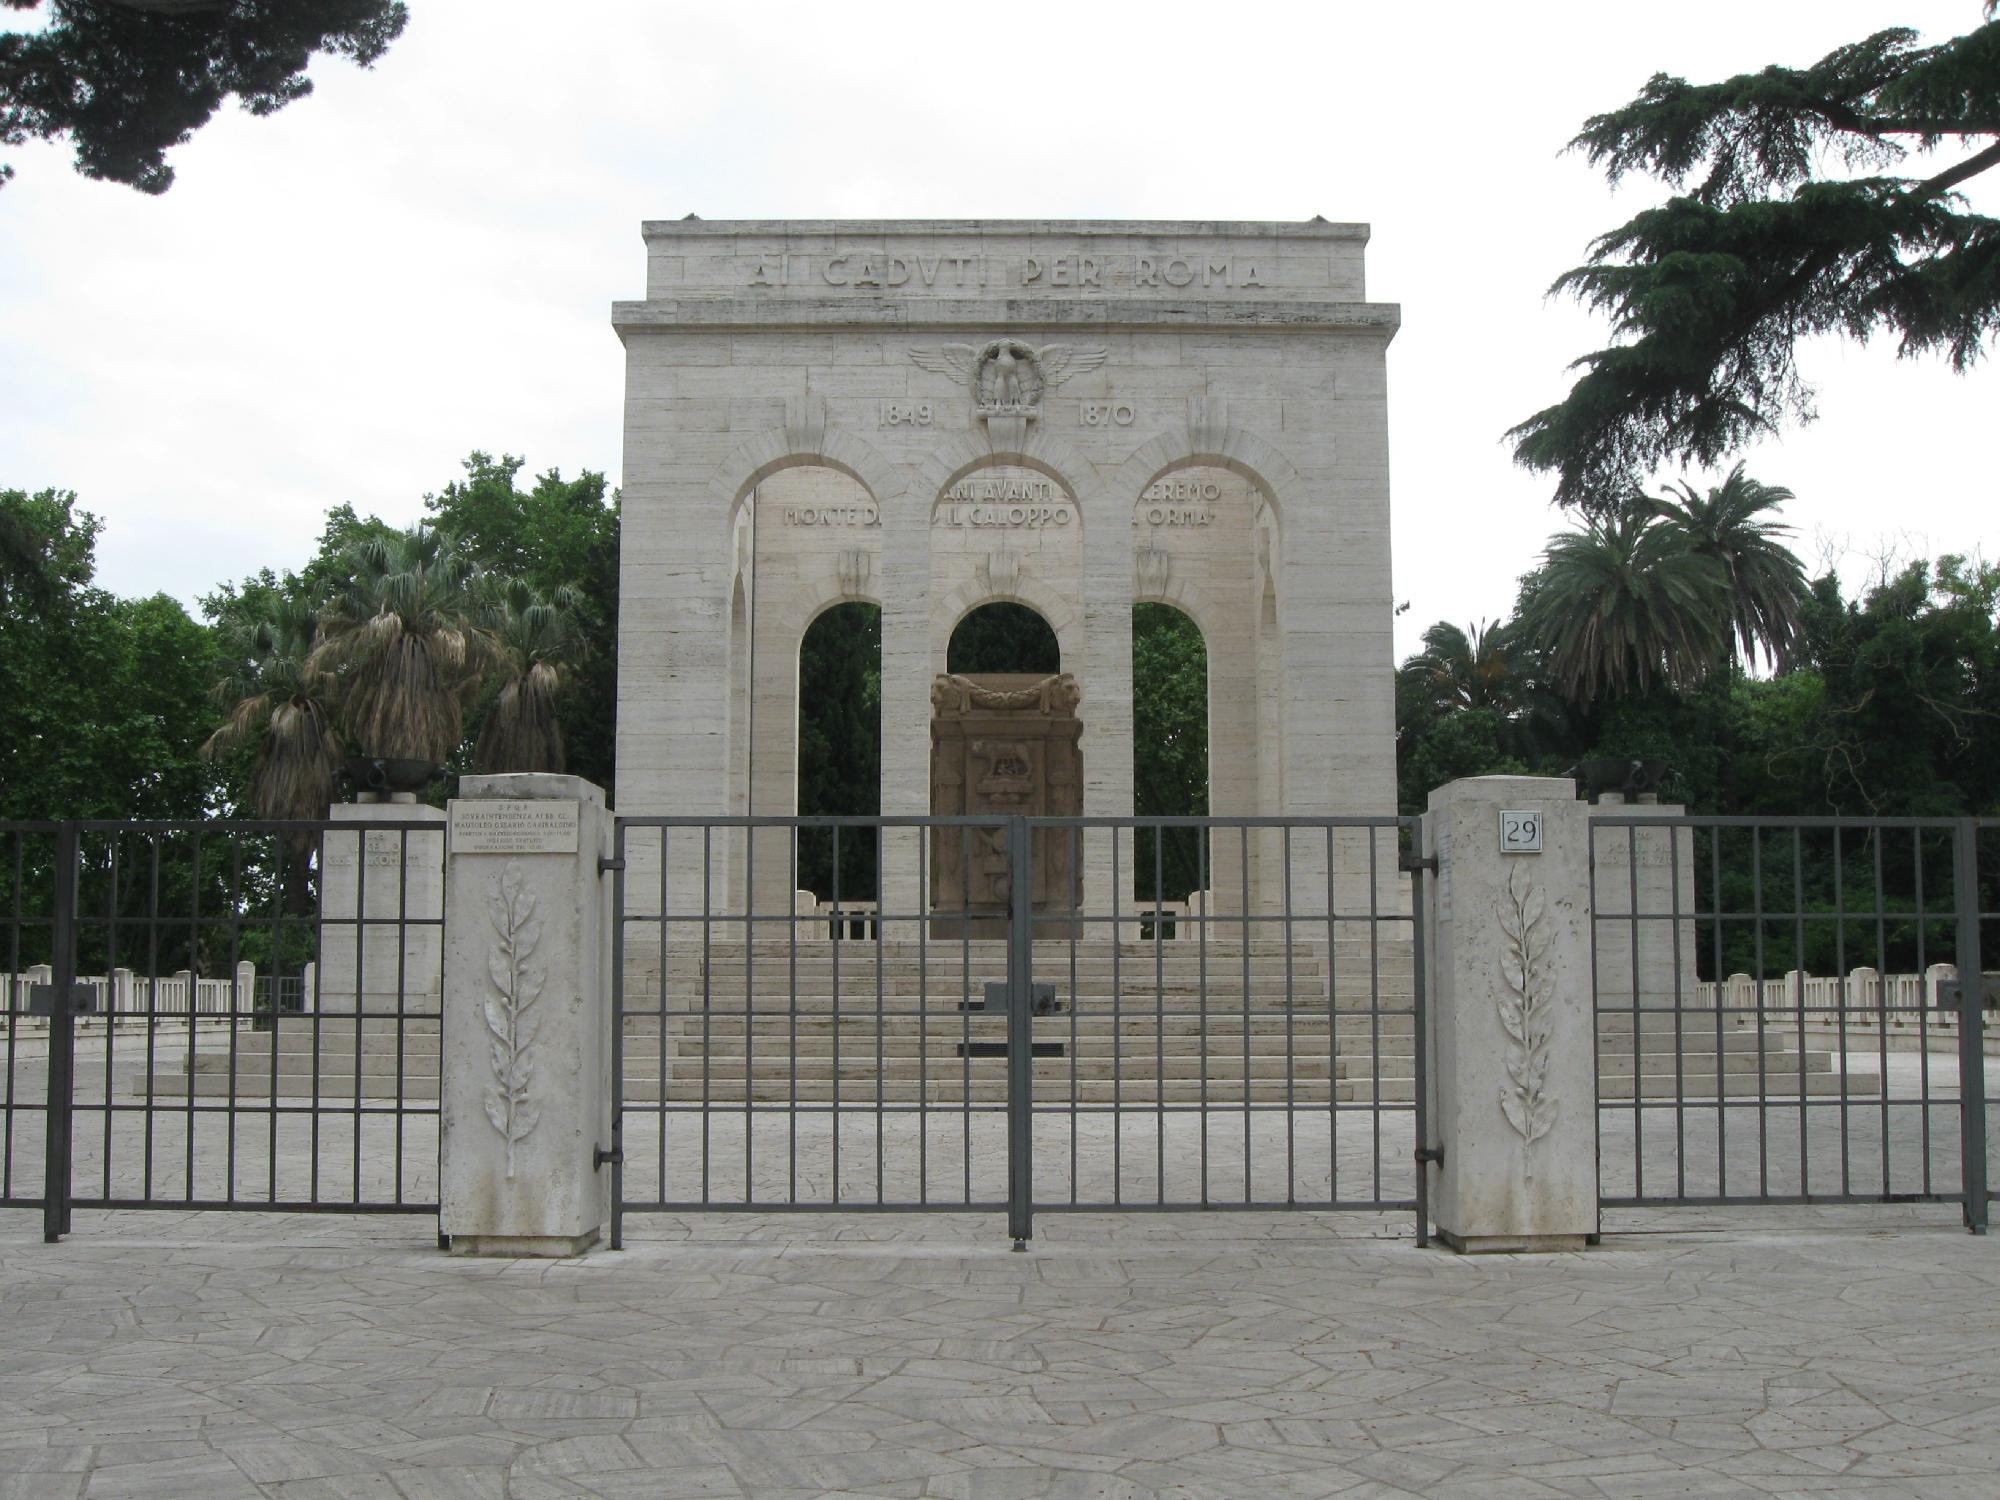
[(1169, 750), (840, 749), (1003, 637)]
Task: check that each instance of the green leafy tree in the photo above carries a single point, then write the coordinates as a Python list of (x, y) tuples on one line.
[(1766, 585), (1709, 293), (1169, 747), (126, 80), (1003, 637), (840, 745), (1909, 721), (403, 640), (103, 699)]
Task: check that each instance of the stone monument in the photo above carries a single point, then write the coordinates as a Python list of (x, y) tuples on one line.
[(931, 415)]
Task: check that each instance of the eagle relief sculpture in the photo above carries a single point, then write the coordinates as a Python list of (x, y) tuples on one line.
[(1009, 377)]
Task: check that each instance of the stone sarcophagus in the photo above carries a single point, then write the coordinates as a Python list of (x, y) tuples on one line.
[(1002, 745)]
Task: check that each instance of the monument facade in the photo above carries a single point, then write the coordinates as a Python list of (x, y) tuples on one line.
[(1074, 416)]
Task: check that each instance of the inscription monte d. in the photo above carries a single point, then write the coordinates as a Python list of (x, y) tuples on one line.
[(856, 513), (513, 828), (876, 271)]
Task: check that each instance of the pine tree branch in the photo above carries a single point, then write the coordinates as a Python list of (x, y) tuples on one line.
[(1971, 167)]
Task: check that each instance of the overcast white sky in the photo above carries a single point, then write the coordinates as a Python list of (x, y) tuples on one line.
[(338, 303)]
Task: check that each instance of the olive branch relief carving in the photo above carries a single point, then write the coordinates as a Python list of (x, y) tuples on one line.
[(511, 1022), (1526, 1015)]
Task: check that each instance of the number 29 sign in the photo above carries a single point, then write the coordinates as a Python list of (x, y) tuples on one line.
[(1521, 832)]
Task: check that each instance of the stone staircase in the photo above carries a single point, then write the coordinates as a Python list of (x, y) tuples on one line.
[(1137, 1026)]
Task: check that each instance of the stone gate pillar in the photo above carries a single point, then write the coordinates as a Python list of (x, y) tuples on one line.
[(525, 1101), (1512, 1025)]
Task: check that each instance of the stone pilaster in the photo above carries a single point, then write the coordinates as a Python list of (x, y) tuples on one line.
[(1513, 1079), (381, 895), (525, 1103)]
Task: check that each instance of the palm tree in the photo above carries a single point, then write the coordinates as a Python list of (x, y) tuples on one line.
[(401, 636), (538, 638), (1469, 668), (1767, 586), (279, 701), (1626, 604)]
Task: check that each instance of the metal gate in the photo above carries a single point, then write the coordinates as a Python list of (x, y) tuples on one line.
[(995, 1023), (1793, 1010), (148, 1063)]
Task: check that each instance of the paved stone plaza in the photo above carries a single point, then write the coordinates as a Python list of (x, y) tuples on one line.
[(1766, 1353)]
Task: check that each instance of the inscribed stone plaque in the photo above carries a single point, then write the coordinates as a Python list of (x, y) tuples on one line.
[(513, 828)]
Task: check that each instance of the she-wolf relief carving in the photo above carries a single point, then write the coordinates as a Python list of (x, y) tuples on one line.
[(1002, 745)]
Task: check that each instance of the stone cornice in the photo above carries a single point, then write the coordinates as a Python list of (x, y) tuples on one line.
[(796, 314), (857, 229)]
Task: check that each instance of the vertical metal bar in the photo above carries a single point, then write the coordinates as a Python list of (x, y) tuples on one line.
[(750, 999), (57, 1141), (402, 1022), (236, 1018), (1333, 1033), (1420, 1091), (1721, 1095), (618, 1035), (1291, 1039), (1118, 1017), (1638, 1020), (707, 992), (923, 842), (839, 941), (1243, 869), (881, 1033), (13, 994), (965, 1007), (1201, 1005), (1075, 837), (1840, 1010), (666, 953), (1971, 1026), (1924, 1010), (193, 989), (110, 1004), (283, 847), (1881, 1000), (1020, 1034), (318, 1021), (792, 1037), (1375, 1005), (1680, 1045), (1799, 1005), (1763, 1083), (1160, 996)]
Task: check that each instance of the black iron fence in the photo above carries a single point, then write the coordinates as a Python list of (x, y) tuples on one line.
[(150, 1062), (1788, 1011), (1015, 1032), (1793, 1010)]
